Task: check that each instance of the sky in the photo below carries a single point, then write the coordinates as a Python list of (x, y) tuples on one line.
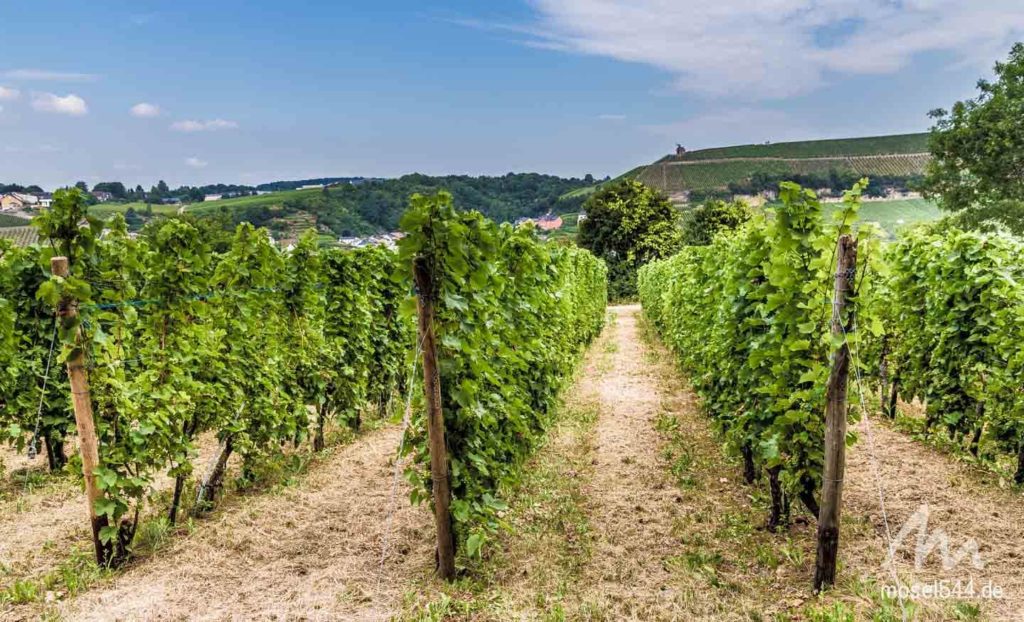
[(250, 91)]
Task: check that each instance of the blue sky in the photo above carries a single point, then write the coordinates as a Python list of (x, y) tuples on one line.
[(262, 90)]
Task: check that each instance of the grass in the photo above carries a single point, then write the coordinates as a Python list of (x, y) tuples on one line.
[(206, 207), (895, 215), (104, 210), (7, 220)]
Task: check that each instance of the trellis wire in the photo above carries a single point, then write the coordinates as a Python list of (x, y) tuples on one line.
[(877, 475), (406, 418), (33, 443)]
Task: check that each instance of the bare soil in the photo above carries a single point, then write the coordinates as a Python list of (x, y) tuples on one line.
[(961, 504)]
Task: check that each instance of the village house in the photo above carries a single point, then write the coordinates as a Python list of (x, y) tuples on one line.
[(213, 197), (11, 203), (102, 196), (389, 240), (549, 222), (19, 201)]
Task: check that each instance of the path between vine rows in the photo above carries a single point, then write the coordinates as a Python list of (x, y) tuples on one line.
[(312, 551)]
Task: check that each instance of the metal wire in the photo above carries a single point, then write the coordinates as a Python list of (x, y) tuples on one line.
[(33, 450), (878, 477), (406, 419)]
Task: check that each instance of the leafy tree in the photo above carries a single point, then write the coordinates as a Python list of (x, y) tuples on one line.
[(628, 224), (81, 185), (977, 149), (701, 224), (115, 188)]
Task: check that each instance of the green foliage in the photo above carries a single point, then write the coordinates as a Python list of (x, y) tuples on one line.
[(180, 338), (375, 205), (748, 318), (701, 224), (954, 318), (512, 316), (977, 148), (628, 224)]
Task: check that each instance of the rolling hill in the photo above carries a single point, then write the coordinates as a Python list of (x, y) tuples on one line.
[(746, 167), (373, 206)]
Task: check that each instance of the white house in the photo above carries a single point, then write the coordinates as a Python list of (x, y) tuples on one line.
[(213, 197)]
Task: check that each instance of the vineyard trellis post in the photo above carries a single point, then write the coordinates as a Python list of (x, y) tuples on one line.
[(67, 311), (441, 486), (835, 418)]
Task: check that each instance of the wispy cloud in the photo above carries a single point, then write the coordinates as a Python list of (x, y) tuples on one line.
[(49, 76), (7, 94), (196, 162), (203, 126), (145, 111), (776, 49), (71, 105), (612, 117)]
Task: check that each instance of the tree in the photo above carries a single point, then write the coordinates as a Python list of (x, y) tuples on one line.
[(700, 224), (628, 224), (977, 149), (81, 185), (115, 188)]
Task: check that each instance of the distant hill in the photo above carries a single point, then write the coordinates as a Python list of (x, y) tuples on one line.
[(894, 160), (277, 186), (375, 205)]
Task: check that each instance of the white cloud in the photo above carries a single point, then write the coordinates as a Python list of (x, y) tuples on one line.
[(7, 94), (145, 111), (72, 104), (772, 49), (195, 162), (203, 126), (46, 75), (612, 117)]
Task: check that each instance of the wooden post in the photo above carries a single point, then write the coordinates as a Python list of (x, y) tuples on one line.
[(835, 420), (435, 423), (67, 310)]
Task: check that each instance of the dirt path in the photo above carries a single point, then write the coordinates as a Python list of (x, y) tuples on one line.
[(949, 499), (631, 500), (310, 552)]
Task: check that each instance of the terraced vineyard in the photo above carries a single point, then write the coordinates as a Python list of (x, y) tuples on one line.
[(868, 146), (679, 176), (707, 169)]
